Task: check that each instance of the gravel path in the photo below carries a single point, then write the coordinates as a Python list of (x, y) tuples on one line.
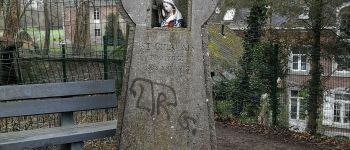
[(229, 138)]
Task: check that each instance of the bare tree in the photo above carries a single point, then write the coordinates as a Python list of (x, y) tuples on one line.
[(47, 27), (82, 27), (12, 17), (9, 44)]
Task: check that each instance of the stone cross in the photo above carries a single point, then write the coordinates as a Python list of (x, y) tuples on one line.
[(166, 101)]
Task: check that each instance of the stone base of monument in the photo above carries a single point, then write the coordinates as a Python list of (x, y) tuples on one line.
[(167, 101)]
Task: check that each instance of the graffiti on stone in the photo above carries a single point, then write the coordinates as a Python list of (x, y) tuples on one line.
[(163, 97), (185, 122), (161, 100)]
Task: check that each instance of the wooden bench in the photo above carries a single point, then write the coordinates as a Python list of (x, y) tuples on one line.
[(65, 98)]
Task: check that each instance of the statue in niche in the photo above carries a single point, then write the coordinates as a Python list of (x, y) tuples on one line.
[(171, 17)]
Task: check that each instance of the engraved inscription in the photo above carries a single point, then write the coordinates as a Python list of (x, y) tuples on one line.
[(163, 58)]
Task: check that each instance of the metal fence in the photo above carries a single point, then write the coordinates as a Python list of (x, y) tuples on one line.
[(50, 41), (47, 41)]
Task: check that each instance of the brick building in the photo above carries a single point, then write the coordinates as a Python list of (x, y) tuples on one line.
[(99, 11), (335, 116)]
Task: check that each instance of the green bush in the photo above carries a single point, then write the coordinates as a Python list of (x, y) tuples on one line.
[(247, 118), (224, 109), (283, 116)]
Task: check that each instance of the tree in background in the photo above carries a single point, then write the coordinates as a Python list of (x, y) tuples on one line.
[(315, 86), (12, 18), (262, 63), (81, 39), (10, 42), (250, 96), (12, 14), (113, 32), (47, 27)]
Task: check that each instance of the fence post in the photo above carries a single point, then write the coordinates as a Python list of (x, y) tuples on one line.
[(64, 63), (105, 58), (19, 73), (67, 118), (222, 29), (274, 90)]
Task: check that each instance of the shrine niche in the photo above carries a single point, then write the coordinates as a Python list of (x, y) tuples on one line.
[(170, 13)]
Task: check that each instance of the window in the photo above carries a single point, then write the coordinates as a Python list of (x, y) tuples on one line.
[(299, 59), (297, 106), (96, 13), (299, 62), (294, 108), (342, 63), (336, 114), (305, 13), (341, 108), (347, 113), (345, 22), (97, 32)]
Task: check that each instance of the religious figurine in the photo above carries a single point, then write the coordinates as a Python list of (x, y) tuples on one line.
[(171, 16)]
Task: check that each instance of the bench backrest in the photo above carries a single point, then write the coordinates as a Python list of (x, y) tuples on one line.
[(22, 100)]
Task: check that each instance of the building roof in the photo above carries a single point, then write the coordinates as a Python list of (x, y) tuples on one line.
[(239, 20), (295, 18)]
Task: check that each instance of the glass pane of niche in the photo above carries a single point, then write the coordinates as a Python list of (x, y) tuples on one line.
[(170, 13)]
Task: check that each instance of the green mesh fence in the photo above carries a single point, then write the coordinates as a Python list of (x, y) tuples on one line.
[(262, 64), (61, 41)]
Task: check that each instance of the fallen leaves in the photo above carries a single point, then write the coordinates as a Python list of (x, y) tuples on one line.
[(285, 135)]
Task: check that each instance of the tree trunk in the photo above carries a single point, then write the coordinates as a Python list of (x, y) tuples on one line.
[(274, 62), (47, 28), (315, 89), (12, 20), (8, 71), (256, 21), (82, 29), (1, 5)]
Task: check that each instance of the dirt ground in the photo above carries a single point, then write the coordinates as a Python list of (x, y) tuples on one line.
[(230, 137)]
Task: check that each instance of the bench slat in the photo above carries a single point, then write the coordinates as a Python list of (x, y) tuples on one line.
[(56, 89), (55, 105), (58, 135)]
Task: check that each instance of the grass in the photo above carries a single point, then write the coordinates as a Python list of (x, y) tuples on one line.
[(38, 36), (230, 39), (57, 35), (225, 50)]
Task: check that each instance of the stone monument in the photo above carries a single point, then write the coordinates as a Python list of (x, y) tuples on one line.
[(166, 101)]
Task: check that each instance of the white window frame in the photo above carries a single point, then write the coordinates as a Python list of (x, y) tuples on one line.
[(341, 20), (338, 17), (341, 73), (298, 105), (97, 31), (299, 62), (97, 15), (328, 108), (305, 15), (342, 110), (298, 71)]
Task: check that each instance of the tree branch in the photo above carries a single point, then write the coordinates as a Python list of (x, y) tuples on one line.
[(25, 9)]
